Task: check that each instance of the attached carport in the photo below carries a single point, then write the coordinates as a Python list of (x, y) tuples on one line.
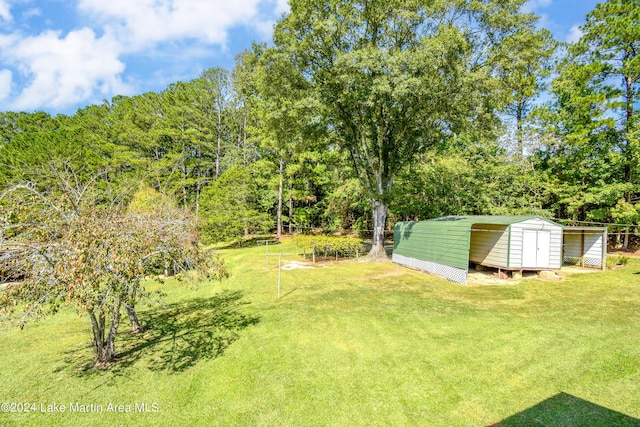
[(445, 246), (585, 246)]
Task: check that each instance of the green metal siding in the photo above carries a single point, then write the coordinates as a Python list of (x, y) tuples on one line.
[(447, 240), (435, 241)]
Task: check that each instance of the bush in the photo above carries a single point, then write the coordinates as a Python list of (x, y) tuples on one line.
[(617, 260), (328, 244)]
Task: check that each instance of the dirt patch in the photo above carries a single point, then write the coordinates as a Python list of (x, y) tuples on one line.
[(296, 264), (392, 273), (490, 277)]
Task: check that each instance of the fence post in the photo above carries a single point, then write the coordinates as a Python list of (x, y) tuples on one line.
[(279, 260)]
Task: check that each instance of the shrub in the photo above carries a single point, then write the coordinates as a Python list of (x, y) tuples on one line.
[(328, 244)]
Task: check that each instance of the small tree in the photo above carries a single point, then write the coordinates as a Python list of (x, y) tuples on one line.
[(97, 263), (230, 206), (75, 249)]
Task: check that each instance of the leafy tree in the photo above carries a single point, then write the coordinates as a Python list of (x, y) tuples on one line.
[(282, 108), (395, 77), (97, 264), (524, 61), (230, 206), (590, 150), (611, 41), (245, 102), (93, 258), (214, 93), (477, 179)]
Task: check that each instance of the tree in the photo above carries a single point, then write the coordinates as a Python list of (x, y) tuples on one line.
[(281, 108), (524, 62), (93, 258), (395, 77), (246, 96), (611, 41), (230, 206), (591, 147)]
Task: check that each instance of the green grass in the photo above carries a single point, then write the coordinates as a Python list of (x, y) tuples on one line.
[(348, 344)]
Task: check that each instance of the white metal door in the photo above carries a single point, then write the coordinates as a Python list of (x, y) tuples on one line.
[(544, 247), (536, 246), (529, 248)]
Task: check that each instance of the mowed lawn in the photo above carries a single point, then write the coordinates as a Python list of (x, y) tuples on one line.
[(347, 344)]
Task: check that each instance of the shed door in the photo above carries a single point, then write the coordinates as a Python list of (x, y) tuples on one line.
[(536, 246)]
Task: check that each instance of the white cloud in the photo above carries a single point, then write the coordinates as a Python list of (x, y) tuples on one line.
[(63, 71), (57, 70), (264, 26), (575, 33), (282, 6), (534, 5), (5, 11), (143, 23), (5, 84)]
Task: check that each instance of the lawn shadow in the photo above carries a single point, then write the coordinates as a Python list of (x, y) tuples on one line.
[(179, 335), (565, 410)]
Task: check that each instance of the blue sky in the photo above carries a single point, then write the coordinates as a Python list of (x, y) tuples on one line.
[(60, 55)]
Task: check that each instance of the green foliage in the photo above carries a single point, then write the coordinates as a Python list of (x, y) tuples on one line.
[(394, 78), (616, 260), (147, 200), (591, 148), (480, 180), (523, 62), (230, 207), (328, 244)]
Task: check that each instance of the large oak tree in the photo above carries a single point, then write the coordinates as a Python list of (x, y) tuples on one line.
[(397, 76)]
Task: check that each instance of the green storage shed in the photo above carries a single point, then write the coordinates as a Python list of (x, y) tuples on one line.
[(445, 246)]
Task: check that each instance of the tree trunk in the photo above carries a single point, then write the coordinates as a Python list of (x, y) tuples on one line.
[(198, 185), (219, 141), (279, 219), (104, 348), (110, 346), (136, 327), (379, 210), (519, 132), (97, 328), (244, 135), (291, 208)]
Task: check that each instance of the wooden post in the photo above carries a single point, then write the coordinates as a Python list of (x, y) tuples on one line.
[(605, 243), (279, 261), (582, 249)]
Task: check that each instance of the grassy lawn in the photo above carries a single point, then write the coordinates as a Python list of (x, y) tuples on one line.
[(346, 344)]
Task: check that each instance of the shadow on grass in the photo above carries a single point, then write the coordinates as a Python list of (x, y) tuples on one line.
[(243, 242), (565, 410), (179, 335)]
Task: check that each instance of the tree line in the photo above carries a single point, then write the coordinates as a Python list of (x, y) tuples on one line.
[(363, 110), (360, 114)]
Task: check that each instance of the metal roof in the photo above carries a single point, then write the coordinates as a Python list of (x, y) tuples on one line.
[(583, 228), (470, 220), (449, 237)]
